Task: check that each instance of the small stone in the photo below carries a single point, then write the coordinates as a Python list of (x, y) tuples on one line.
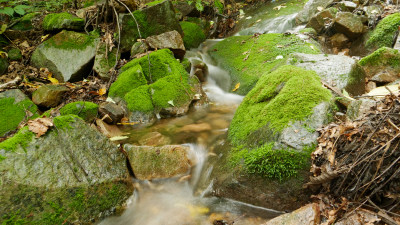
[(49, 95), (384, 77), (103, 64), (200, 70), (14, 54), (171, 40), (370, 86), (115, 112), (154, 139), (339, 40), (138, 48), (196, 128)]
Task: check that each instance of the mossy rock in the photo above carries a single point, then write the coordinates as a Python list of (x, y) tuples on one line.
[(89, 181), (25, 23), (150, 89), (278, 100), (60, 21), (67, 46), (85, 110), (383, 65), (193, 34), (14, 54), (382, 35), (153, 20), (247, 58), (3, 65), (103, 64), (13, 110)]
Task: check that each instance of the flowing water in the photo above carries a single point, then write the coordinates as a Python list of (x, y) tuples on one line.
[(174, 200)]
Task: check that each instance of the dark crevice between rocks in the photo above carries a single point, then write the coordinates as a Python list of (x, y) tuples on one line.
[(130, 169)]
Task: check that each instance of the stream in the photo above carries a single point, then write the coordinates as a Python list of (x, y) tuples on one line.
[(177, 201)]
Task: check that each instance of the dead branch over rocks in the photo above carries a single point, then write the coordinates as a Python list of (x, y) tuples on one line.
[(359, 161)]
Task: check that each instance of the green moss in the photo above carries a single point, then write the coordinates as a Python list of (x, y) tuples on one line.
[(139, 99), (382, 57), (14, 54), (78, 205), (162, 64), (70, 40), (154, 3), (85, 110), (63, 122), (58, 21), (271, 163), (11, 113), (193, 34), (25, 23), (247, 58), (128, 80), (186, 64), (285, 95), (382, 35), (22, 138), (308, 30), (170, 88)]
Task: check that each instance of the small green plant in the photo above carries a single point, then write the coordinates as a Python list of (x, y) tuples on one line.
[(18, 9)]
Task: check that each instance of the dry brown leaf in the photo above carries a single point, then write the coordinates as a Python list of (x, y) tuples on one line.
[(40, 126)]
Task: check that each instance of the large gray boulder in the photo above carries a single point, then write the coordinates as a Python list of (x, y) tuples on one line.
[(153, 20), (68, 55), (73, 174), (341, 72)]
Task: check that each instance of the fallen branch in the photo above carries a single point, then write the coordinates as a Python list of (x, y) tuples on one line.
[(11, 84)]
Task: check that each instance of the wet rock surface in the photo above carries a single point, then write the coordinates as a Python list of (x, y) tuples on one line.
[(49, 95)]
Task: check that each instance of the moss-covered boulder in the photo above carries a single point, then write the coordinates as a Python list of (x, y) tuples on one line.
[(383, 65), (341, 72), (71, 175), (247, 58), (26, 22), (3, 65), (382, 35), (14, 54), (68, 55), (158, 162), (105, 60), (280, 99), (14, 108), (85, 110), (164, 87), (193, 34), (60, 21), (155, 19)]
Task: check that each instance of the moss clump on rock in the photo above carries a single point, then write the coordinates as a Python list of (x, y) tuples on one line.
[(285, 95), (14, 54), (382, 57), (382, 35), (139, 99), (11, 113), (25, 23), (271, 163), (70, 40), (193, 34), (59, 21), (128, 80), (154, 2), (21, 138), (247, 58), (85, 110)]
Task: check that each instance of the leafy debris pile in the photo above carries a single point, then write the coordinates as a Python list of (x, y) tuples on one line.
[(359, 161)]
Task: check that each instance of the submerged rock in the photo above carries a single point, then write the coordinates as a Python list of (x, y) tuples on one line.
[(383, 65), (60, 21), (49, 180), (49, 95), (15, 106), (115, 113), (171, 40), (247, 58), (158, 162), (154, 139), (68, 55), (348, 24), (341, 72), (153, 20)]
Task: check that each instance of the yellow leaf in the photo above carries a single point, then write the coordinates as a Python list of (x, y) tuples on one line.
[(3, 54), (43, 38), (236, 87), (51, 79), (102, 91)]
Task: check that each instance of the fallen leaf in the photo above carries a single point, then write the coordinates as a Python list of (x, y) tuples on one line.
[(171, 102), (236, 87), (51, 79), (102, 91), (279, 7), (118, 138), (40, 126), (43, 38)]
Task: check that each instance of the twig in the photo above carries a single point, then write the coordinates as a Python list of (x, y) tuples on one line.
[(12, 83), (385, 217)]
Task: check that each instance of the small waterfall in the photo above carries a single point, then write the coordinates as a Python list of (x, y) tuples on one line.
[(279, 24)]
